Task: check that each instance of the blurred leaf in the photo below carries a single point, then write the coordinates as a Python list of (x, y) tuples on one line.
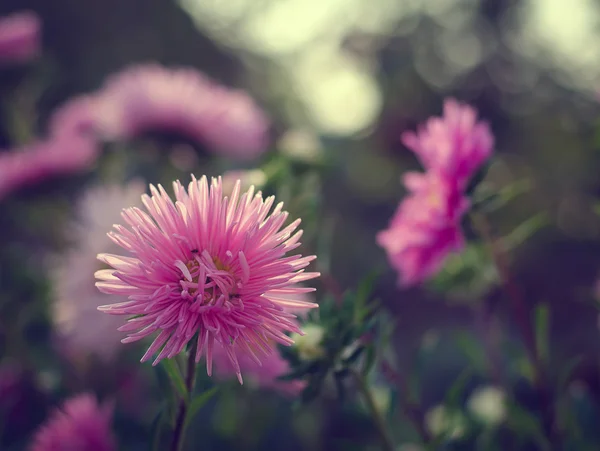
[(198, 402), (470, 274), (542, 331), (478, 178), (487, 200), (524, 231), (339, 377), (304, 369), (370, 358), (526, 424), (176, 378), (565, 373), (156, 428), (472, 349), (455, 392), (363, 293)]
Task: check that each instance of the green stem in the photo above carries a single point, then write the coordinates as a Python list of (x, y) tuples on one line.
[(190, 378), (387, 442), (500, 257)]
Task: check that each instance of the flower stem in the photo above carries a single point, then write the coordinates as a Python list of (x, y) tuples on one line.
[(411, 409), (387, 442), (190, 378), (524, 322), (519, 306)]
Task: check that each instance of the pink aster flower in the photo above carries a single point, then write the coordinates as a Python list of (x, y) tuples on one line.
[(19, 37), (81, 424), (209, 265), (455, 144), (151, 97), (425, 228), (264, 376), (82, 327), (40, 160), (69, 148)]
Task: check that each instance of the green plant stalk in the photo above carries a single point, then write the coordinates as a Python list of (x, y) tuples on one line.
[(387, 442), (190, 378), (524, 322)]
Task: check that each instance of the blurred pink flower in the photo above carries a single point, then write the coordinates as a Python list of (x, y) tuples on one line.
[(455, 145), (69, 148), (19, 37), (210, 265), (81, 424), (425, 227), (76, 299), (263, 376), (33, 163), (148, 97)]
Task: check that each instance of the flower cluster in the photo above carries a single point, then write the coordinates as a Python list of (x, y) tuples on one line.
[(209, 269), (427, 224)]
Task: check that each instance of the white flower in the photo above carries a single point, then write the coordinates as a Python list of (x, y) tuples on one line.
[(74, 310), (442, 422), (488, 405), (309, 345)]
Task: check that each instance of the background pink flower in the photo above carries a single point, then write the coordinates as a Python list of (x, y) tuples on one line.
[(19, 37), (76, 300), (35, 162), (454, 144), (151, 97), (425, 227), (210, 265), (80, 424), (263, 376)]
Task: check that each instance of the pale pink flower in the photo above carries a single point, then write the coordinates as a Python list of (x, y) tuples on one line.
[(70, 147), (80, 424), (151, 97), (19, 37), (425, 227), (76, 300), (209, 265), (263, 376), (35, 162), (455, 145)]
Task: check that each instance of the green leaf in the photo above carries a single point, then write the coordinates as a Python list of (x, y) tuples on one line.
[(198, 402), (542, 331), (468, 275), (524, 231), (156, 428), (565, 374), (370, 358), (472, 350), (176, 378), (454, 394), (526, 424), (488, 201), (364, 290)]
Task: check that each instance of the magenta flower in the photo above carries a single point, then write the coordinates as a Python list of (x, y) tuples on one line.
[(263, 376), (81, 424), (152, 97), (19, 37), (455, 145), (425, 227), (209, 265)]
